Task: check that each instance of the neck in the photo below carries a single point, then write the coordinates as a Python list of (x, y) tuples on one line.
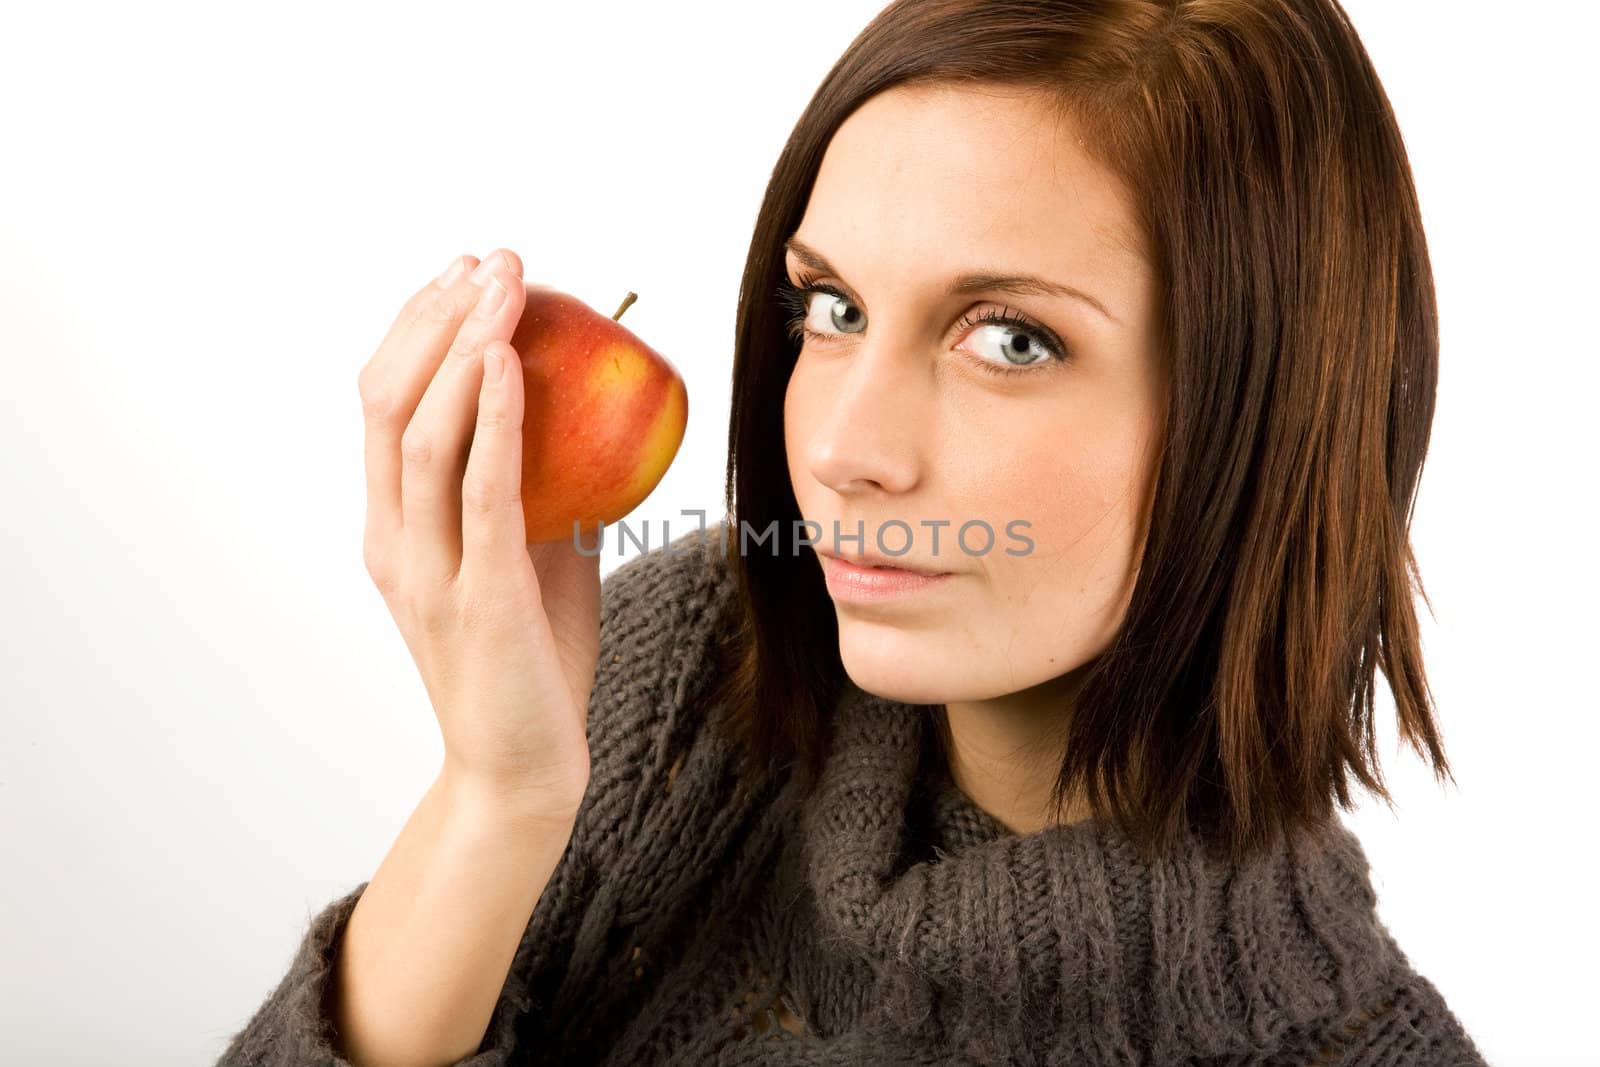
[(1004, 752)]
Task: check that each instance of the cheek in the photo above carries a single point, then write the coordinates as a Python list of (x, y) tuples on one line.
[(1083, 498), (1078, 501), (795, 417), (1075, 482)]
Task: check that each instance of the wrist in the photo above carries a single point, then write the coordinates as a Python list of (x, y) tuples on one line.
[(519, 803)]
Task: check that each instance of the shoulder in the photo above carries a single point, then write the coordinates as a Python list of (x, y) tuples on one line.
[(676, 584), (659, 615)]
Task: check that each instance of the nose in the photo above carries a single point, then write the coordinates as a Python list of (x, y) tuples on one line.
[(868, 439)]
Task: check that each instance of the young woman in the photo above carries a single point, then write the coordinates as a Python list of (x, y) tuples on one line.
[(1107, 326)]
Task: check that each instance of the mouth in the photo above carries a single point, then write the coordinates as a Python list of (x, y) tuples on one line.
[(879, 563), (864, 583)]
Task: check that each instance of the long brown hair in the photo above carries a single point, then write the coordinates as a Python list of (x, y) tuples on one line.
[(1301, 333)]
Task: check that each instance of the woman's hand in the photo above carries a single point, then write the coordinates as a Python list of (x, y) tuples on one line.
[(505, 634)]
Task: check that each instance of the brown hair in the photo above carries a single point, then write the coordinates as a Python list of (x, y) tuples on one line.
[(1300, 331)]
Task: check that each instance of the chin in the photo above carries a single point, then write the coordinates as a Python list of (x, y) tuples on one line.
[(903, 672)]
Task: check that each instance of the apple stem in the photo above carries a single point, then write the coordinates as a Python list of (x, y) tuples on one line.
[(626, 302)]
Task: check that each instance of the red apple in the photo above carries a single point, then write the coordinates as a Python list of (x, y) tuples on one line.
[(604, 415)]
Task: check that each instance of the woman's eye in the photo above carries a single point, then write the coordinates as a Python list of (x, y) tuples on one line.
[(830, 312), (1013, 347)]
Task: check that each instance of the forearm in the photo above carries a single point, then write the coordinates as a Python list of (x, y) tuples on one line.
[(431, 941)]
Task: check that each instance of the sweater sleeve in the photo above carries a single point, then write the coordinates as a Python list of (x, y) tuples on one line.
[(652, 613), (1409, 1026)]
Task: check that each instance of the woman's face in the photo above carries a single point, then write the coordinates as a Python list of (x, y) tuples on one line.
[(905, 405)]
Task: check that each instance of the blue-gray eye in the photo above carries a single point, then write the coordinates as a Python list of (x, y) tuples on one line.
[(842, 316), (804, 320)]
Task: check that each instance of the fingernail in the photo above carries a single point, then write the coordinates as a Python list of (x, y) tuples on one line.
[(493, 295), (493, 365), (486, 269), (451, 273)]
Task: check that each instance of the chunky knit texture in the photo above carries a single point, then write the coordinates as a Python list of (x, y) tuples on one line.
[(877, 916)]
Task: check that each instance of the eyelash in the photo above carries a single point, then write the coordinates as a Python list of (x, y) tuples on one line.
[(795, 298)]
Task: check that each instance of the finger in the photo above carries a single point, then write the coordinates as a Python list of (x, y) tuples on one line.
[(430, 317), (389, 397), (493, 532), (394, 379), (433, 447)]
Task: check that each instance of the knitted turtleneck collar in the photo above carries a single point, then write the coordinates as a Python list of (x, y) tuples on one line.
[(1065, 931)]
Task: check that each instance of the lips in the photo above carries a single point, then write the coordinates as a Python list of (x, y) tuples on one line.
[(879, 587), (884, 563)]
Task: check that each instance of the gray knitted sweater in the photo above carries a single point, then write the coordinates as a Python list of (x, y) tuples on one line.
[(880, 917)]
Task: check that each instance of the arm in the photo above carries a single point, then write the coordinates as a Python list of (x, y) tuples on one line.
[(406, 969), (650, 607), (431, 940), (409, 968)]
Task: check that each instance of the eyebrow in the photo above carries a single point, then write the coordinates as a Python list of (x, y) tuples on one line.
[(968, 284)]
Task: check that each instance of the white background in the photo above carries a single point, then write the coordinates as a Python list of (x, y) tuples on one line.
[(209, 217)]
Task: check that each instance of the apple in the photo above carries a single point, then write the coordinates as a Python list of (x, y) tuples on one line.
[(604, 414)]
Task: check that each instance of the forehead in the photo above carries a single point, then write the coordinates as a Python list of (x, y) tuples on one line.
[(951, 176)]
